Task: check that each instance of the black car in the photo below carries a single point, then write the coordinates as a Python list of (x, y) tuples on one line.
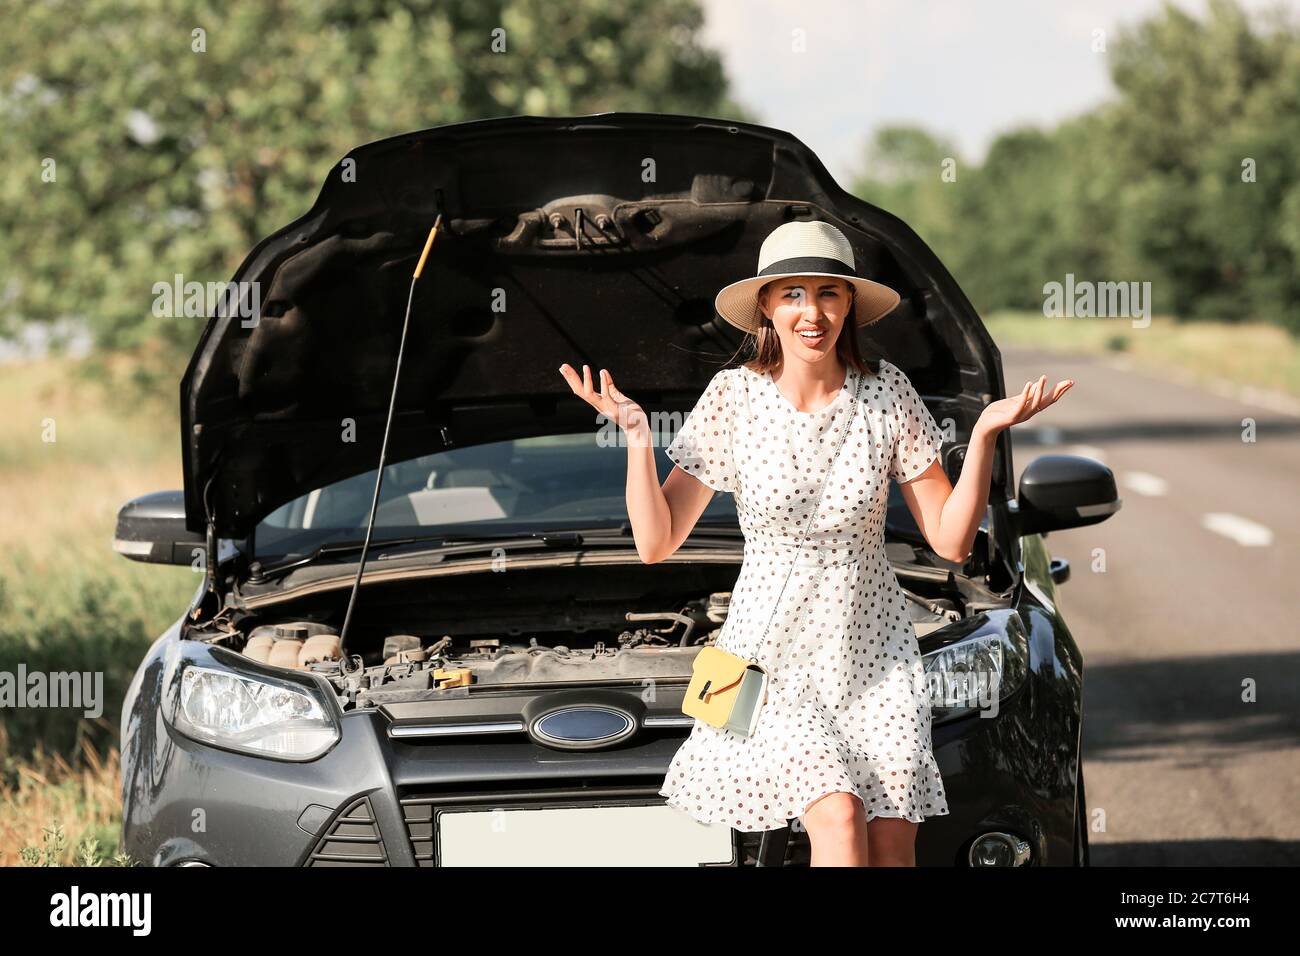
[(509, 686)]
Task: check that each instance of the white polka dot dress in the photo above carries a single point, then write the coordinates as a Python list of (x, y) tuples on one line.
[(846, 708)]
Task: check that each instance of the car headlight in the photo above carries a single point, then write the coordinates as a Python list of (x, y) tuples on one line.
[(253, 714), (977, 673)]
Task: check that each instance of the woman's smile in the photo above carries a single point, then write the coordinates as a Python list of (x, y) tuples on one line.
[(811, 335)]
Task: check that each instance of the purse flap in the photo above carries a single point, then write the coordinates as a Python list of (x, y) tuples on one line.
[(720, 670)]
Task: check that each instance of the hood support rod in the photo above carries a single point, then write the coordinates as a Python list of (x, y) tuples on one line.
[(383, 449)]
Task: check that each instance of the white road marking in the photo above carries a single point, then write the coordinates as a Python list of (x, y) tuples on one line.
[(1145, 484), (1241, 530)]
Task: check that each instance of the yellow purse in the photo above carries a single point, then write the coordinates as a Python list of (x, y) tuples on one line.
[(727, 690)]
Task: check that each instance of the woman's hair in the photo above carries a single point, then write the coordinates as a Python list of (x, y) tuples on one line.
[(767, 344)]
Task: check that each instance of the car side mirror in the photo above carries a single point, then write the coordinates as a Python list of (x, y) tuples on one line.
[(152, 528), (1064, 491)]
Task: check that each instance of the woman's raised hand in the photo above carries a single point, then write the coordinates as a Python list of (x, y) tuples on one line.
[(1015, 409), (609, 401)]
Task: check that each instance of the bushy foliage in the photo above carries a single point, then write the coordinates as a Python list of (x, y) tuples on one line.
[(1189, 178)]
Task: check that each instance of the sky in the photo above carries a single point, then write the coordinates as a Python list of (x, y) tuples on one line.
[(965, 69)]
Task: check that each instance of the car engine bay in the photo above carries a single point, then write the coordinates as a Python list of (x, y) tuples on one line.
[(387, 665)]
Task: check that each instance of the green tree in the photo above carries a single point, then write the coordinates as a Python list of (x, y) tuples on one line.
[(1197, 98), (181, 133), (903, 172), (1188, 178)]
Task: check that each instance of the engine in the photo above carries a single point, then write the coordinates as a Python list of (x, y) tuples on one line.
[(650, 645)]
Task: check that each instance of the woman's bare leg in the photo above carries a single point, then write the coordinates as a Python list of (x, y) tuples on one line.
[(837, 829), (893, 841)]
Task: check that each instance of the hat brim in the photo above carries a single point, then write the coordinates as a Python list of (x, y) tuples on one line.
[(737, 303)]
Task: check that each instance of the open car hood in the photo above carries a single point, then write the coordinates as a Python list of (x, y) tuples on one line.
[(599, 239)]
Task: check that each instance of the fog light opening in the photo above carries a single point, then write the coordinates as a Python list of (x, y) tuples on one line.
[(998, 849)]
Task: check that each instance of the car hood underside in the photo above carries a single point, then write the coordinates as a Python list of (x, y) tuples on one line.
[(598, 240)]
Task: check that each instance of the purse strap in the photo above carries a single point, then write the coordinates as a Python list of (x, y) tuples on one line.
[(857, 391)]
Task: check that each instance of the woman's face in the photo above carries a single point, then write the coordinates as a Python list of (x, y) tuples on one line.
[(807, 313)]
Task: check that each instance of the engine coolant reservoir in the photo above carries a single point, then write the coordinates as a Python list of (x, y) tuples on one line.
[(294, 645)]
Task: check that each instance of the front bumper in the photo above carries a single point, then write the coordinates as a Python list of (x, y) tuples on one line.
[(372, 800)]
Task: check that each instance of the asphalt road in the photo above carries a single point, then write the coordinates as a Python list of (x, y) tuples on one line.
[(1184, 605)]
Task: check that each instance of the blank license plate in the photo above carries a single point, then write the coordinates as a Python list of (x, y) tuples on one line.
[(580, 836)]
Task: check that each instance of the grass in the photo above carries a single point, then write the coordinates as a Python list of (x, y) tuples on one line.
[(1249, 354), (57, 812), (78, 440)]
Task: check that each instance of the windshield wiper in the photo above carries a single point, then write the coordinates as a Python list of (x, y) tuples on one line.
[(262, 572), (560, 539)]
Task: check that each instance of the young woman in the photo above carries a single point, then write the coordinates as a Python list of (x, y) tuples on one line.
[(843, 740)]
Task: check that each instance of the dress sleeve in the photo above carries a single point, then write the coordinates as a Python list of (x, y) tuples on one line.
[(702, 447), (917, 436)]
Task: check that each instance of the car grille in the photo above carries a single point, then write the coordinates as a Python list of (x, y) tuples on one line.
[(353, 839), (785, 847)]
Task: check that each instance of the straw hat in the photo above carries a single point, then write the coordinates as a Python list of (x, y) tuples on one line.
[(804, 249)]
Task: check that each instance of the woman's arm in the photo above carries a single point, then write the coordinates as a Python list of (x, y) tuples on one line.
[(661, 518), (950, 516)]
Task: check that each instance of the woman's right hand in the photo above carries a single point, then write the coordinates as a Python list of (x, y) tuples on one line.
[(609, 401), (661, 516)]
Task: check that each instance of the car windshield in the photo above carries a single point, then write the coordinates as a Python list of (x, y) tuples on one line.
[(524, 485)]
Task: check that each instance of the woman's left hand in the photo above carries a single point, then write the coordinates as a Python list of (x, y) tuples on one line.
[(1015, 409)]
